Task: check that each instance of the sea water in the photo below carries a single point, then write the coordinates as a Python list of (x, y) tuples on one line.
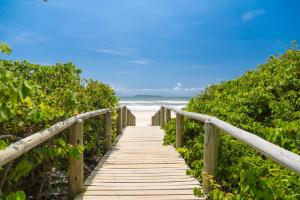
[(153, 103)]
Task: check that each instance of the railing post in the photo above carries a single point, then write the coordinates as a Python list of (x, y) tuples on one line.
[(159, 117), (128, 117), (107, 130), (124, 116), (132, 119), (211, 144), (119, 121), (162, 116), (168, 115), (179, 129), (76, 165)]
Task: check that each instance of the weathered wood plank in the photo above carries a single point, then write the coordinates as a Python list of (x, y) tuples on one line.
[(138, 167), (152, 197), (138, 192)]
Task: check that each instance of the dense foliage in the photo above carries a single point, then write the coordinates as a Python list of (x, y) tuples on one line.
[(266, 102), (33, 97)]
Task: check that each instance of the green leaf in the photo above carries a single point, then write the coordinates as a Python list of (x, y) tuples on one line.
[(25, 89), (5, 48), (9, 75), (4, 113), (3, 144), (22, 169), (28, 84), (36, 115), (19, 195)]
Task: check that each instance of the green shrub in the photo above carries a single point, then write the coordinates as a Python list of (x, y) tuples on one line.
[(33, 97), (266, 102)]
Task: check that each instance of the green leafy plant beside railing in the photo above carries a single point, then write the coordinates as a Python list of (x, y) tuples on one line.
[(33, 97), (266, 102)]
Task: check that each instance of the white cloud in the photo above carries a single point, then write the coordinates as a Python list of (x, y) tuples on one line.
[(26, 37), (178, 87), (140, 62), (110, 51), (252, 14), (129, 52)]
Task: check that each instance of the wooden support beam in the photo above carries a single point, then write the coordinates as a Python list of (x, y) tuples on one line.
[(162, 116), (76, 165), (158, 120), (119, 121), (107, 131), (211, 145), (128, 118), (168, 115), (124, 116), (179, 129)]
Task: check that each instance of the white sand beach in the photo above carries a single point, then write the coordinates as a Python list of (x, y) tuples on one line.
[(143, 117), (143, 108)]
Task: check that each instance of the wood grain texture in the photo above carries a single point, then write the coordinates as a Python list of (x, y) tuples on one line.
[(76, 165), (140, 167), (179, 129), (211, 146), (119, 122), (108, 124)]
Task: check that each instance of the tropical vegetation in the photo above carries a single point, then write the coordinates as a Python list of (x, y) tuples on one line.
[(264, 101), (34, 97)]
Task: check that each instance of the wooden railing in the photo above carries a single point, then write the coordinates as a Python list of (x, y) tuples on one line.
[(212, 126), (75, 130)]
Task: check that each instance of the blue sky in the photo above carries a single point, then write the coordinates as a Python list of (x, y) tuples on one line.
[(166, 47)]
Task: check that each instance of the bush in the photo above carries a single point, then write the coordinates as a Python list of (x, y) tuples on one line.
[(33, 97), (265, 102)]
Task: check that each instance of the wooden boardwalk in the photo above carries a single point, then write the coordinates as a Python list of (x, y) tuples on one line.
[(140, 167)]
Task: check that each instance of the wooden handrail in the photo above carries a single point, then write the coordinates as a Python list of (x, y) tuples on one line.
[(16, 149), (75, 127), (278, 154)]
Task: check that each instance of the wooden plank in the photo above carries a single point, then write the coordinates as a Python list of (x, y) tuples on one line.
[(141, 184), (138, 167), (138, 192), (140, 187), (152, 197)]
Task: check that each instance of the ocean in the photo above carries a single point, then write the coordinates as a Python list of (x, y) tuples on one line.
[(153, 103)]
